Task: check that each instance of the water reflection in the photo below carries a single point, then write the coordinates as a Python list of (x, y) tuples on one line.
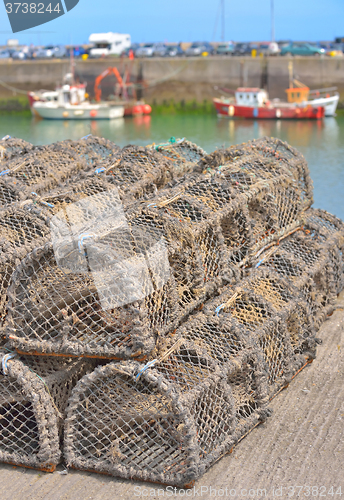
[(299, 133), (48, 131)]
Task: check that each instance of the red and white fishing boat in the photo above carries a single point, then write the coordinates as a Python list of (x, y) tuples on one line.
[(252, 102)]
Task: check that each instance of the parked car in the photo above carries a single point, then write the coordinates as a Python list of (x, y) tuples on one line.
[(302, 49), (174, 51), (133, 47), (23, 53), (242, 49), (5, 54), (19, 54), (52, 51), (225, 48), (159, 50), (335, 50), (146, 50), (199, 48), (269, 49), (77, 51)]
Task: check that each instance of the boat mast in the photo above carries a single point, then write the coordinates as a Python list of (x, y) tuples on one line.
[(223, 20), (291, 74), (72, 64), (272, 21)]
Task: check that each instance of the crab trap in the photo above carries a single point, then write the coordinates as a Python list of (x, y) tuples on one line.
[(166, 421), (33, 396)]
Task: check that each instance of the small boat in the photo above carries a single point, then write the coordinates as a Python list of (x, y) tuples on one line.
[(69, 102), (252, 102)]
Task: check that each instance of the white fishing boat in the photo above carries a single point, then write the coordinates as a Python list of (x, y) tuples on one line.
[(69, 102)]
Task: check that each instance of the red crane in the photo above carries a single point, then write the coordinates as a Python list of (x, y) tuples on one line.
[(121, 90)]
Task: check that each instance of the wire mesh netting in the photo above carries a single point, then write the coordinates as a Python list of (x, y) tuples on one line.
[(167, 424), (33, 397)]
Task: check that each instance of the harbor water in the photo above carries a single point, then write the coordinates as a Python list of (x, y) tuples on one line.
[(321, 142)]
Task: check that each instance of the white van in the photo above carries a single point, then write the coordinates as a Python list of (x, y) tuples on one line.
[(105, 44)]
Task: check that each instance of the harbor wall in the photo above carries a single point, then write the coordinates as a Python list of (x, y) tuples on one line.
[(180, 78)]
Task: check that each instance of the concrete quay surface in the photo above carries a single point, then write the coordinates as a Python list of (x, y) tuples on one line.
[(297, 453)]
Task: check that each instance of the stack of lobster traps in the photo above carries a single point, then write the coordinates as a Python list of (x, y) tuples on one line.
[(154, 300)]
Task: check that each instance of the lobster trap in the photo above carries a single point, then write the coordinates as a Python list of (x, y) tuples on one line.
[(182, 153), (36, 171), (33, 397), (265, 157), (167, 421), (312, 259), (137, 172), (206, 276), (11, 146), (22, 230), (145, 268), (263, 312), (92, 149)]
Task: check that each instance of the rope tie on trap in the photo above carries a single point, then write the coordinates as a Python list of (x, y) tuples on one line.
[(5, 360), (163, 203), (100, 170), (39, 200), (228, 303), (266, 256), (153, 362)]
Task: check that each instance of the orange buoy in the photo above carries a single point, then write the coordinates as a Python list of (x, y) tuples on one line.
[(147, 109), (93, 113), (137, 109)]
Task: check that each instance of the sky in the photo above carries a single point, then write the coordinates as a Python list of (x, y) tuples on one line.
[(186, 20)]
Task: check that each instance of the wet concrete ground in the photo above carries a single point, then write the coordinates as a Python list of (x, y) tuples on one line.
[(297, 453)]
